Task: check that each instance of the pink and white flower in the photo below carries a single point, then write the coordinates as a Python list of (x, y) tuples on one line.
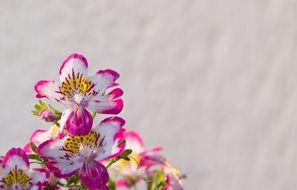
[(130, 168), (79, 92), (39, 136), (144, 164), (16, 173), (124, 171), (84, 154)]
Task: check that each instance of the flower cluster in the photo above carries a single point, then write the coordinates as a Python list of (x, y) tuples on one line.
[(75, 152)]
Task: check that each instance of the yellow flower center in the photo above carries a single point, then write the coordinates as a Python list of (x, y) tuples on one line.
[(76, 84), (74, 144), (16, 176)]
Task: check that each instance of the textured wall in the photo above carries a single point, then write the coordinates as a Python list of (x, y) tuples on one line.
[(212, 81)]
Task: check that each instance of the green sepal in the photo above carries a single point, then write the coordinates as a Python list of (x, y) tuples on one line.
[(33, 147), (111, 184), (124, 156)]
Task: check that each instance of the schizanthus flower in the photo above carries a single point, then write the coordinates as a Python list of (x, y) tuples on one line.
[(17, 174), (144, 165), (84, 154), (80, 92)]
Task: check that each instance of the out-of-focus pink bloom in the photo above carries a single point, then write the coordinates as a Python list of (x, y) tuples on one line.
[(79, 92), (152, 161), (84, 154), (39, 136), (17, 174), (128, 169), (173, 182), (144, 164)]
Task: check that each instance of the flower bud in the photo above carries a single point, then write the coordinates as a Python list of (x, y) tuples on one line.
[(48, 115)]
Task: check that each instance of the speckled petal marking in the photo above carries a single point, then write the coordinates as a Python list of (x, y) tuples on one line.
[(73, 143), (16, 176), (76, 84)]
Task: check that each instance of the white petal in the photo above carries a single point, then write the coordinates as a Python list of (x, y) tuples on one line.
[(73, 65)]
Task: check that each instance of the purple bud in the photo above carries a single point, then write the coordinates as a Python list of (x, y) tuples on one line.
[(48, 115)]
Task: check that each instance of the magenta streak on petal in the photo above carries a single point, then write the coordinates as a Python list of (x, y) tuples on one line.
[(113, 73), (152, 158), (34, 137), (119, 136), (115, 93), (122, 183), (38, 86), (50, 164), (118, 104), (43, 145), (27, 148), (74, 56), (15, 152), (116, 109), (57, 171), (120, 121), (94, 175), (135, 136), (79, 122)]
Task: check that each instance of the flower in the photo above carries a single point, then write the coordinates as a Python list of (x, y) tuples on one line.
[(135, 143), (39, 136), (144, 164), (79, 92), (17, 174), (129, 171), (152, 161), (173, 182), (84, 154)]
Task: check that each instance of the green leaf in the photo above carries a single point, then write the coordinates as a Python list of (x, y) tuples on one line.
[(158, 181), (35, 157), (124, 156), (73, 180), (35, 113), (126, 152), (37, 107), (111, 185), (33, 147)]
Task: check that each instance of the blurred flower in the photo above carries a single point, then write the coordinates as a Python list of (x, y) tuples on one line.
[(39, 136), (135, 143), (144, 165), (17, 174), (78, 92), (152, 161), (84, 154)]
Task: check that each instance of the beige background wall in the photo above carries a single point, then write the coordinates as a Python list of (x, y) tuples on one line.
[(212, 81)]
